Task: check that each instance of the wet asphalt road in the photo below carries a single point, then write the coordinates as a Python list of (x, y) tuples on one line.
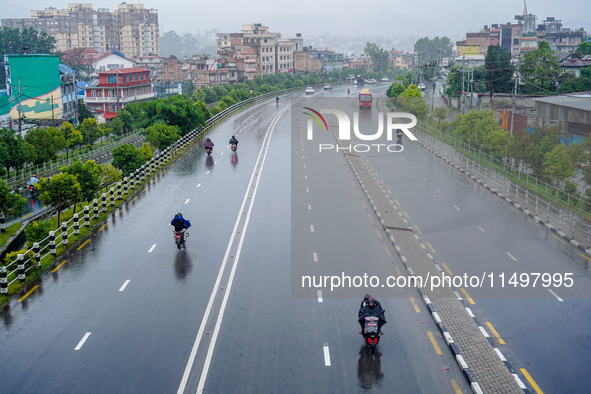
[(144, 303)]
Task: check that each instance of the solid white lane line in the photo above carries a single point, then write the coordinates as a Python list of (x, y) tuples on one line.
[(457, 208), (311, 228), (510, 255), (315, 255), (84, 338), (555, 295), (326, 355), (218, 324), (186, 202), (481, 229), (320, 296), (152, 248), (124, 285)]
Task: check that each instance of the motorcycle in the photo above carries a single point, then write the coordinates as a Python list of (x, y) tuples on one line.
[(371, 333), (179, 239), (234, 147), (208, 150), (32, 190)]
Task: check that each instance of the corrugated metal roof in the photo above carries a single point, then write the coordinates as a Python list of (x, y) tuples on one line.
[(579, 101)]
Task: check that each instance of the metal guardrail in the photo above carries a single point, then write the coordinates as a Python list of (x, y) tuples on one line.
[(545, 203), (17, 269), (48, 168)]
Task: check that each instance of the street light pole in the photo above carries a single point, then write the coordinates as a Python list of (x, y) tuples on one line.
[(514, 97)]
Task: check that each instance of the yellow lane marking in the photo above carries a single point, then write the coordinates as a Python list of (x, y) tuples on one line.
[(390, 193), (185, 153), (534, 223), (371, 167), (396, 201), (103, 227), (483, 189), (418, 231), (558, 239), (58, 267), (383, 183), (470, 180), (531, 381), (458, 172), (585, 256), (364, 205), (121, 210), (387, 251), (406, 214), (434, 342), (414, 303), (133, 199), (84, 244), (358, 192), (144, 189), (467, 296), (30, 291), (370, 218), (447, 269), (431, 247), (27, 215), (456, 386), (398, 271), (378, 233), (515, 210), (495, 333)]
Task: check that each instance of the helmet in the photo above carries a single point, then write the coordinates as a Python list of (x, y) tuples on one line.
[(209, 139), (233, 137), (370, 301), (180, 215)]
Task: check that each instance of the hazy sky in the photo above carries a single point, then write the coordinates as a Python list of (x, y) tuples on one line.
[(344, 17)]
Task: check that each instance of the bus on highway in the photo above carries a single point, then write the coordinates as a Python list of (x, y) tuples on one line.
[(365, 99)]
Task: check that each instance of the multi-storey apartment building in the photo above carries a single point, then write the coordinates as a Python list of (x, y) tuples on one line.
[(561, 39), (263, 52), (116, 88), (131, 30)]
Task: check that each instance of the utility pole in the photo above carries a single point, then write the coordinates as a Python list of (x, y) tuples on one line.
[(514, 97), (463, 102), (52, 114)]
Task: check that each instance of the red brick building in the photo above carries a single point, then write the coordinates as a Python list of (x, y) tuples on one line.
[(117, 88)]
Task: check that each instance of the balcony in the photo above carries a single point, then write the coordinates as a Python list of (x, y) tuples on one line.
[(122, 100)]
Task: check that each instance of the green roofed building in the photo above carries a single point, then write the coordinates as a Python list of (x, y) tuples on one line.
[(39, 88)]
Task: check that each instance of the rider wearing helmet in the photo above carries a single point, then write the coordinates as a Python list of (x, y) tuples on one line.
[(208, 143), (233, 140), (32, 180), (180, 224), (371, 308), (277, 99)]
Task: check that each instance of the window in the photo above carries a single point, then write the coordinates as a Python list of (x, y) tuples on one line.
[(112, 78), (124, 78), (141, 76)]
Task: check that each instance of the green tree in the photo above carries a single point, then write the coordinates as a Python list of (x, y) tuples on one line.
[(117, 126), (13, 40), (40, 145), (395, 90), (558, 166), (147, 151), (36, 231), (109, 175), (439, 114), (88, 176), (379, 56), (161, 136), (72, 136), (583, 49), (535, 146), (61, 191), (83, 112), (127, 118), (474, 126), (497, 64), (15, 146), (127, 158), (90, 131), (540, 68), (10, 203), (495, 142)]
